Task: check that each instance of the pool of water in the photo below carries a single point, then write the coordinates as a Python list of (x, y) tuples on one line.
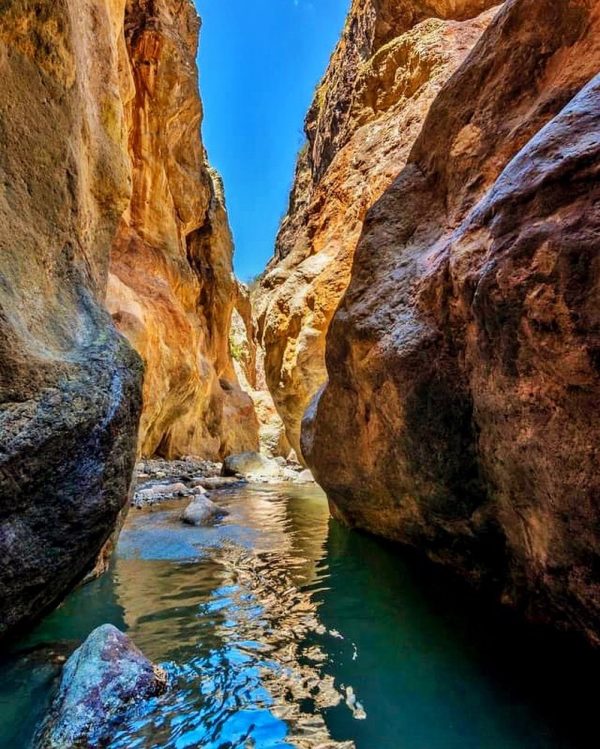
[(281, 628)]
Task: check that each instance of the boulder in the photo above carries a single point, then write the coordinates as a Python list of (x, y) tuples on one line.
[(305, 477), (250, 465), (461, 411), (202, 511), (103, 678)]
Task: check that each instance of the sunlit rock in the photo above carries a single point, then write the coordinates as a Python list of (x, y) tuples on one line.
[(392, 60), (103, 678), (171, 286)]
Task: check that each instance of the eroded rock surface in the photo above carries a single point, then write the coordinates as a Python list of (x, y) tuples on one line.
[(461, 411), (249, 364), (69, 383), (100, 682), (106, 198), (171, 287), (392, 60)]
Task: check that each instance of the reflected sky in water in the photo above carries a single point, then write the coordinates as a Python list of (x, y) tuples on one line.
[(280, 628)]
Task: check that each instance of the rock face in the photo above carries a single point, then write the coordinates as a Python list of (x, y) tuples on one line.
[(392, 60), (104, 189), (171, 287), (461, 410), (249, 364), (69, 383), (102, 679)]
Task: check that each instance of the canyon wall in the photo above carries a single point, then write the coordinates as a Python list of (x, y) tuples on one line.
[(392, 60), (461, 413), (106, 200), (171, 287), (69, 383)]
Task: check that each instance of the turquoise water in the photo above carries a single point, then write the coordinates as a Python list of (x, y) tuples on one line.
[(281, 628)]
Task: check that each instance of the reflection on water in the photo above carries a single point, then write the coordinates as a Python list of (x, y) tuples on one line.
[(280, 628)]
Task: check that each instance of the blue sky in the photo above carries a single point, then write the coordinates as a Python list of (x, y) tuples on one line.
[(260, 61)]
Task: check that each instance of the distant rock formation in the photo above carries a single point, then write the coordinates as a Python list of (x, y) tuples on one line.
[(461, 414), (392, 60)]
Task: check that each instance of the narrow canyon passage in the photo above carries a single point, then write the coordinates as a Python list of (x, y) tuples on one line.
[(351, 498)]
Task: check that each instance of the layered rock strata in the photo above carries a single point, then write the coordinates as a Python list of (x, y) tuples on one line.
[(171, 288), (391, 62), (461, 411)]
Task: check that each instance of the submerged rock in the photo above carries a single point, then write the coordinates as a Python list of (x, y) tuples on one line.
[(102, 679), (202, 511)]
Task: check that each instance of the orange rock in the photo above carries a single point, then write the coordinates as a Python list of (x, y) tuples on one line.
[(461, 411), (70, 386), (171, 287), (392, 60)]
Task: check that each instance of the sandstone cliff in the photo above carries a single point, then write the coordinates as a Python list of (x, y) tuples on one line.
[(392, 60), (69, 384), (461, 414), (171, 288), (249, 364), (105, 198)]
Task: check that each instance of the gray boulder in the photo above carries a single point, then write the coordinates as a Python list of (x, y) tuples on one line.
[(251, 465), (201, 511), (100, 681)]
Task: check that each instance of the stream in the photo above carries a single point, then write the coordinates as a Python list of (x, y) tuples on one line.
[(279, 627)]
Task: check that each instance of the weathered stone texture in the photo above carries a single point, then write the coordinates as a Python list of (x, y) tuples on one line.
[(461, 411), (391, 62), (172, 289), (69, 383)]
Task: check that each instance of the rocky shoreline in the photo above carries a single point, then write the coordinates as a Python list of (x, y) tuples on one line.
[(157, 480)]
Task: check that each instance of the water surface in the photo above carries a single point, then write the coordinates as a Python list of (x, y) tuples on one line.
[(281, 628)]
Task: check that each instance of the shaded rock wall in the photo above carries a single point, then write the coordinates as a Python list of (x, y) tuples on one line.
[(391, 62), (461, 411), (171, 289), (69, 383)]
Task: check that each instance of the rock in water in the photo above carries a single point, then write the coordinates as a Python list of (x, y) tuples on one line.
[(251, 465), (102, 679), (202, 511), (461, 414)]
